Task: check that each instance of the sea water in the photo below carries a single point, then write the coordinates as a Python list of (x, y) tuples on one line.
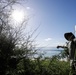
[(49, 51)]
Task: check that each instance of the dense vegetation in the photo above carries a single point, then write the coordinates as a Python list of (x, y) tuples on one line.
[(17, 61), (51, 66)]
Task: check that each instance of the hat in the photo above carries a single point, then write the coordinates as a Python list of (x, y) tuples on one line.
[(69, 36)]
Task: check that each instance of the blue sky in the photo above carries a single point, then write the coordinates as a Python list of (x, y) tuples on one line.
[(55, 18)]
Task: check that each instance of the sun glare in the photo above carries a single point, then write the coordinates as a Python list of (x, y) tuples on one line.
[(18, 16)]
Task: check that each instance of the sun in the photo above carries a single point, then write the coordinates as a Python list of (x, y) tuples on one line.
[(17, 15)]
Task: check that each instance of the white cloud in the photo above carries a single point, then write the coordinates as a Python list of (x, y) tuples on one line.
[(51, 42), (28, 8), (48, 39)]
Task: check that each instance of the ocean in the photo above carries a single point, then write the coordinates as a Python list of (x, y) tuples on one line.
[(49, 51)]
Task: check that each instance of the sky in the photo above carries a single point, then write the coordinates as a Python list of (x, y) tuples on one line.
[(55, 18)]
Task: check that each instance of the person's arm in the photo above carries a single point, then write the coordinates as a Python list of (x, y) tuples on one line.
[(61, 47)]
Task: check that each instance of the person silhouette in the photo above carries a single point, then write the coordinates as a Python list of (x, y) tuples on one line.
[(71, 46)]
